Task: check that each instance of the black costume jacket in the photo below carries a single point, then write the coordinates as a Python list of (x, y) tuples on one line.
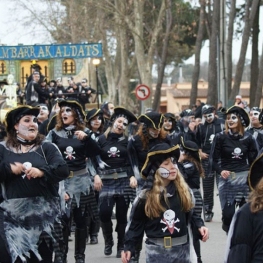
[(190, 173), (233, 153), (206, 133), (246, 237), (173, 222), (258, 135)]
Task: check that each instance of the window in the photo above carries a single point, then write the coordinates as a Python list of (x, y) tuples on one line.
[(2, 67), (69, 66)]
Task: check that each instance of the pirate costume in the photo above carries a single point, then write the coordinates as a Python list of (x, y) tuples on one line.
[(191, 175), (245, 237), (115, 171), (29, 215), (204, 138), (235, 153), (77, 185), (168, 235), (138, 154), (173, 133)]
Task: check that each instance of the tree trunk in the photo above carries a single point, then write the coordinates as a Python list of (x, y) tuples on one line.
[(212, 94), (249, 19), (161, 68), (198, 47), (229, 45), (254, 60), (258, 94)]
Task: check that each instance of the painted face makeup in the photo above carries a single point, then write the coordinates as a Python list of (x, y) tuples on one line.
[(209, 117), (232, 121), (167, 124), (27, 127), (120, 125), (66, 111), (165, 173), (96, 121), (154, 133), (67, 115)]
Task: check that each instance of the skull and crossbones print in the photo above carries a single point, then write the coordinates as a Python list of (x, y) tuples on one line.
[(113, 152), (69, 153), (237, 153), (169, 220)]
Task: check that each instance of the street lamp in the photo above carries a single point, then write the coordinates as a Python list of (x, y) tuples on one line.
[(96, 62)]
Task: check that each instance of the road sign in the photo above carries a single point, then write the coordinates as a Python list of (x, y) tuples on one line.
[(142, 92)]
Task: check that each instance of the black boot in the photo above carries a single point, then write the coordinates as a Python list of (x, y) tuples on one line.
[(88, 222), (107, 234), (80, 245), (93, 231), (120, 229), (197, 250)]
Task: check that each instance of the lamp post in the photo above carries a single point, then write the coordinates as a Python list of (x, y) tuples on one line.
[(96, 62)]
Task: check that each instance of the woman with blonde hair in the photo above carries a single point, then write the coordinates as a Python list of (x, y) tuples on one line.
[(233, 151), (163, 210)]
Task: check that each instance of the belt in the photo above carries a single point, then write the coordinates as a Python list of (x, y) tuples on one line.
[(76, 173), (234, 175), (168, 242), (114, 175)]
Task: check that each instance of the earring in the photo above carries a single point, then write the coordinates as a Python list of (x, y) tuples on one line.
[(17, 132)]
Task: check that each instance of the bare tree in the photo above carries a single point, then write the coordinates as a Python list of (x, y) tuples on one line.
[(198, 46), (229, 44), (258, 94), (249, 19), (212, 94)]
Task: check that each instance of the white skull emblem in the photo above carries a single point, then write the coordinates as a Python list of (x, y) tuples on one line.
[(212, 136), (169, 221), (69, 153), (237, 153), (113, 152)]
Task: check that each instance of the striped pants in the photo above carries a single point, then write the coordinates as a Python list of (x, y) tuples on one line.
[(208, 187)]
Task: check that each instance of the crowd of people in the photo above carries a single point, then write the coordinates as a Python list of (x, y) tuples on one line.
[(62, 166)]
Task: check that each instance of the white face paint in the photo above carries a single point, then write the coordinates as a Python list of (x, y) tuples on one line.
[(232, 121), (120, 125), (27, 127), (66, 111), (165, 173), (154, 133), (209, 117), (96, 122), (167, 124), (67, 115)]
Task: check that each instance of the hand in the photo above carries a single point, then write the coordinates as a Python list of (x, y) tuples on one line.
[(125, 256), (203, 155), (225, 174), (80, 135), (66, 197), (97, 183), (133, 182), (204, 233), (34, 173), (17, 168)]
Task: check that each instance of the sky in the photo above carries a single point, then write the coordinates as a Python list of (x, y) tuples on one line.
[(13, 33)]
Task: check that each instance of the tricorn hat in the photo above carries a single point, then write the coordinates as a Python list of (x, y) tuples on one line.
[(75, 105), (156, 155), (240, 112), (94, 112), (206, 109), (255, 172), (152, 119), (190, 148), (122, 112), (14, 115)]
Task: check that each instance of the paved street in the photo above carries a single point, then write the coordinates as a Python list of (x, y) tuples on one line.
[(212, 251)]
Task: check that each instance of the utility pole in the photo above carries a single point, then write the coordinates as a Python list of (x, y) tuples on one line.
[(223, 93)]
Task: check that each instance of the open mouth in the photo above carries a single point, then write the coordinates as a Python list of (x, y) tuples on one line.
[(65, 118), (31, 130)]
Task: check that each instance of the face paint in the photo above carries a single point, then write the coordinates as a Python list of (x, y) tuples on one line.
[(154, 132), (232, 118), (164, 173), (67, 111), (254, 114), (95, 122), (27, 126), (120, 124), (209, 116)]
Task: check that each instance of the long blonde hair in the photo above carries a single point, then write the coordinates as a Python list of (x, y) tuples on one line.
[(256, 198), (153, 206)]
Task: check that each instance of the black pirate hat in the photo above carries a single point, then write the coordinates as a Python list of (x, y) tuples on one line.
[(255, 172), (14, 115), (152, 119), (75, 105), (93, 113), (156, 155), (190, 148), (241, 113), (206, 109), (122, 112)]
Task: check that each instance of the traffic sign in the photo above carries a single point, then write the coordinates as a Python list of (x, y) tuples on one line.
[(142, 92)]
